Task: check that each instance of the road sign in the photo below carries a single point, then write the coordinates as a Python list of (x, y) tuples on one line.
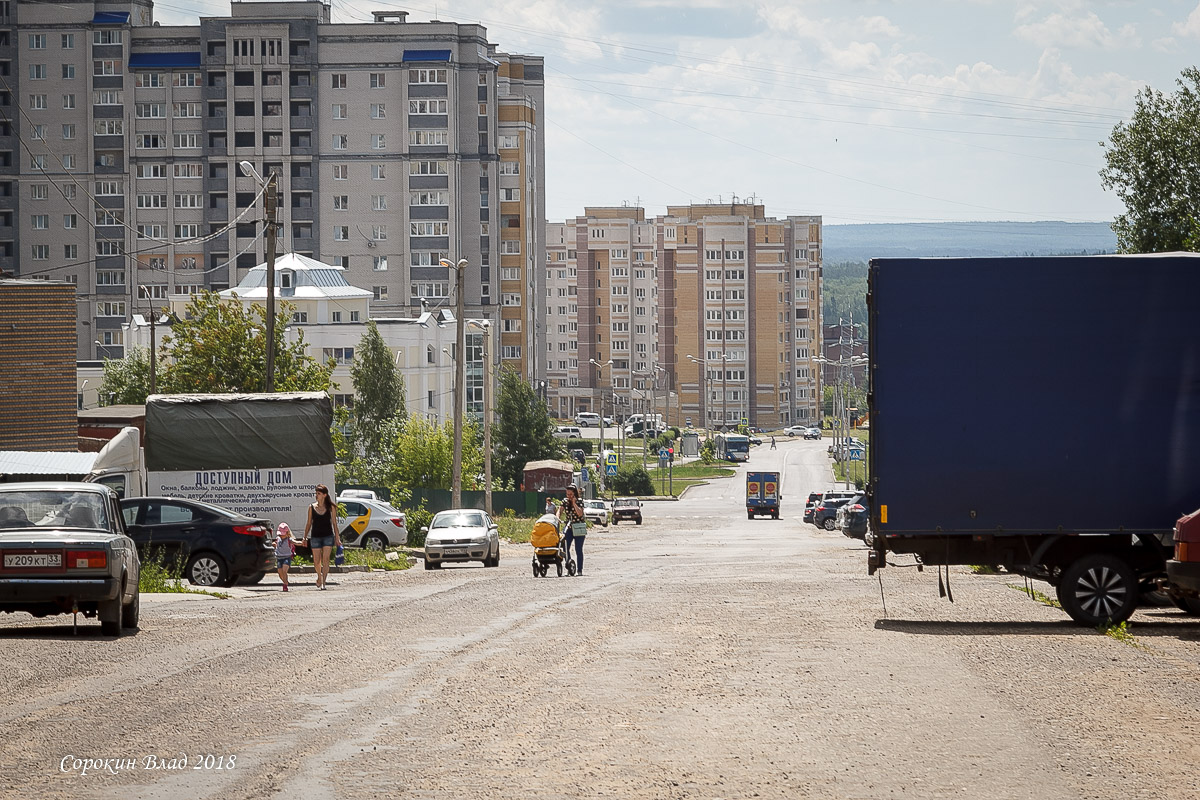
[(745, 421), (583, 475), (856, 453), (662, 453), (610, 469)]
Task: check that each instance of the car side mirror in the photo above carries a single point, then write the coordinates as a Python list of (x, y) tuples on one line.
[(424, 530)]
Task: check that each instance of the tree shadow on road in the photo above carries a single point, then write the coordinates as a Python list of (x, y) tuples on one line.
[(1165, 624)]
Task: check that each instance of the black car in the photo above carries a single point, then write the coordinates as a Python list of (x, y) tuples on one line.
[(852, 517), (813, 499), (214, 546), (825, 512)]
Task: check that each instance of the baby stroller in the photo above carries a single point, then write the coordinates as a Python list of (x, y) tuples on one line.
[(549, 547)]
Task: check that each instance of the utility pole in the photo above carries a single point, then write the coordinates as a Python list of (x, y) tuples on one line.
[(724, 361), (487, 423), (460, 375), (271, 203), (153, 356)]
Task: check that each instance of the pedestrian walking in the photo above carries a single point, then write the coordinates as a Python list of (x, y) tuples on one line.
[(550, 505), (321, 532), (285, 550), (572, 513), (772, 442)]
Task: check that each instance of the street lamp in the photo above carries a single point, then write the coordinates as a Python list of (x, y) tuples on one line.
[(460, 374), (600, 368), (133, 326), (485, 326), (270, 185)]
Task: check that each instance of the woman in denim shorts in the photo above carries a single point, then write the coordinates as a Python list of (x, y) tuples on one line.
[(321, 532)]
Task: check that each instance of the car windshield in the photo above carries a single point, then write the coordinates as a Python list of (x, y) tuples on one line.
[(458, 521), (626, 503), (50, 508)]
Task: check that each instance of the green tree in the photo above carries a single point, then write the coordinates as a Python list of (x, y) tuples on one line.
[(424, 456), (378, 392), (1152, 162), (220, 346), (632, 480), (525, 431), (127, 380)]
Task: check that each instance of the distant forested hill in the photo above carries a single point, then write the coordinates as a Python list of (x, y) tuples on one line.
[(864, 242), (847, 248)]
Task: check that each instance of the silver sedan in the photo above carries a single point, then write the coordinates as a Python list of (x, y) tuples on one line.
[(462, 534)]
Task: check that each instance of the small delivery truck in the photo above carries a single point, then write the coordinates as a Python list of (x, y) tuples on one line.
[(762, 494)]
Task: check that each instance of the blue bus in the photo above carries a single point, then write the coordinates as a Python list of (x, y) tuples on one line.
[(733, 447)]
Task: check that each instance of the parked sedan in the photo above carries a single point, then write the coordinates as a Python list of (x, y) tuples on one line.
[(795, 430), (372, 524), (63, 547), (825, 512), (596, 511), (213, 545), (462, 534)]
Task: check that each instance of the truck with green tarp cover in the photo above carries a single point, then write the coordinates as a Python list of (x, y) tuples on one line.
[(256, 454)]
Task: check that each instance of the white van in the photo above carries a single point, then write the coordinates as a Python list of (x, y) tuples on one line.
[(587, 419)]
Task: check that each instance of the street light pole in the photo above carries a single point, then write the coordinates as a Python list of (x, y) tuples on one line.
[(270, 203), (460, 376), (487, 417), (600, 369)]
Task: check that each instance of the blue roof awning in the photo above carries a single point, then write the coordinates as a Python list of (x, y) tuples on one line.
[(426, 55), (111, 18), (163, 60)]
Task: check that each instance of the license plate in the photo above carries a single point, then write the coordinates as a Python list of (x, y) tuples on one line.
[(454, 551), (32, 560)]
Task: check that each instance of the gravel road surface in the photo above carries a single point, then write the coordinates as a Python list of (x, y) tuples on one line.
[(701, 656)]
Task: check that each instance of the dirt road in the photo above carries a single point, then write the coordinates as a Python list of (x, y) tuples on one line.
[(702, 656)]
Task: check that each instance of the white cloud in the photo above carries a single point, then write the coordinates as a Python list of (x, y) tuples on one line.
[(1189, 27), (1076, 30), (1167, 44), (878, 26)]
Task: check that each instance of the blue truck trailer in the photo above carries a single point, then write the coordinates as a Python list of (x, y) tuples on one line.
[(762, 494), (1039, 414)]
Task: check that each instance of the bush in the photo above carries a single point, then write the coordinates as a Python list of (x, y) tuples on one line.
[(708, 452), (586, 445), (416, 519), (632, 480)]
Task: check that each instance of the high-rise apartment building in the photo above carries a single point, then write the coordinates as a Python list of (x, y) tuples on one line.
[(396, 145), (715, 306)]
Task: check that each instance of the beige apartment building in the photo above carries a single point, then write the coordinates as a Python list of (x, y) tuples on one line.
[(713, 310), (396, 144)]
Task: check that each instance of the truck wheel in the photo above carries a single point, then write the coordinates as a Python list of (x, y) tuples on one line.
[(1190, 605), (207, 569), (1098, 590)]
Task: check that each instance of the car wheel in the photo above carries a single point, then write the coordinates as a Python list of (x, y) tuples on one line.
[(830, 524), (1098, 590), (1190, 605), (639, 519), (253, 578), (374, 541), (113, 610), (430, 564), (615, 520), (774, 515), (207, 569), (132, 613)]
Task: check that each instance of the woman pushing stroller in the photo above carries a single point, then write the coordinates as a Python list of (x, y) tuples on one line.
[(571, 512)]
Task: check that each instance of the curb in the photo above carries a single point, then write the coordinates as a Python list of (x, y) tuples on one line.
[(333, 570)]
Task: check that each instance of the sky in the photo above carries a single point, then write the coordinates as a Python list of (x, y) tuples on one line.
[(856, 110)]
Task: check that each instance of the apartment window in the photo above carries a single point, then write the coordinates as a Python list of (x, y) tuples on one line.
[(187, 110), (434, 198), (510, 194), (511, 299), (510, 168), (338, 80), (40, 252), (340, 111), (378, 111), (189, 231), (149, 80), (68, 41), (110, 127), (186, 79), (107, 97), (510, 273), (188, 141), (108, 247), (68, 131), (341, 172), (70, 221), (341, 141), (150, 141), (110, 277), (39, 191), (150, 110), (379, 233), (186, 170), (37, 72), (428, 168), (106, 66), (151, 201), (70, 252), (68, 101), (429, 228), (37, 41), (109, 188), (379, 292), (39, 133), (426, 258), (339, 355), (379, 202), (431, 106), (40, 222), (378, 172), (341, 202), (188, 201), (38, 163), (430, 289), (379, 263), (152, 231), (508, 142), (377, 80), (341, 233), (146, 170), (378, 141), (106, 37), (37, 102), (428, 138), (512, 351), (510, 247), (427, 76)]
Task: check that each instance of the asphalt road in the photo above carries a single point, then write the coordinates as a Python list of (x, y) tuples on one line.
[(702, 655)]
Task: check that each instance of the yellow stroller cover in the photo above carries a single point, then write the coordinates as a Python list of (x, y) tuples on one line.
[(545, 532)]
